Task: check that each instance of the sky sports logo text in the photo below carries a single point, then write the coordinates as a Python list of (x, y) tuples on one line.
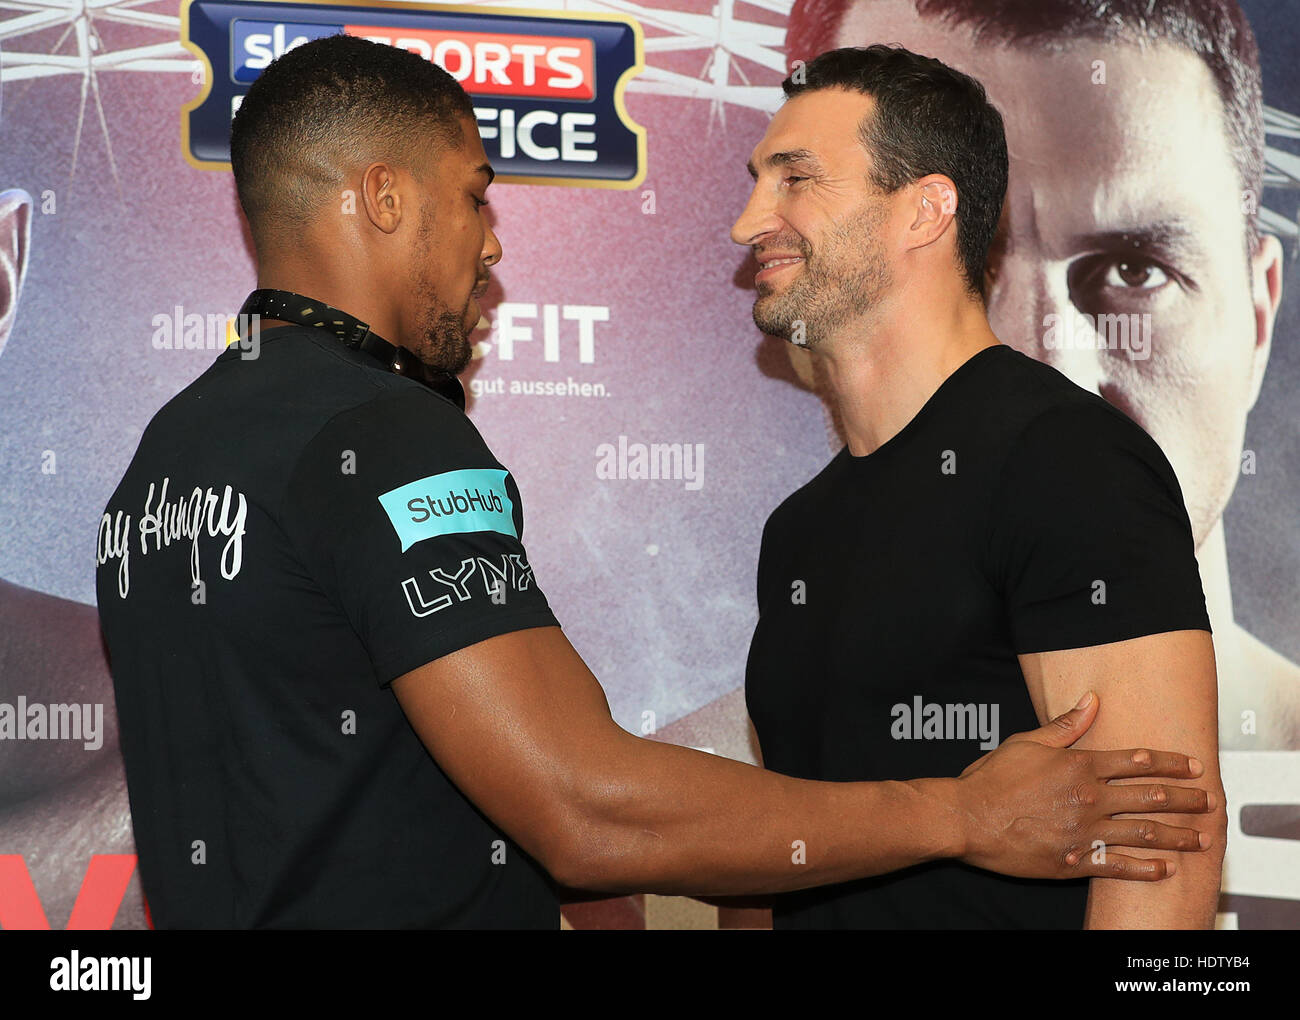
[(257, 43), (485, 63), (547, 88)]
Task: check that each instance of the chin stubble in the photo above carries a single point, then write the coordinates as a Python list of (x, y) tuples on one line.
[(846, 279)]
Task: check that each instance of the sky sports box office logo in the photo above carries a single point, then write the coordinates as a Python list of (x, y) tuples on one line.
[(547, 86)]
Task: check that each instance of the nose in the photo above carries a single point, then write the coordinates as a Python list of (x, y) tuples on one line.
[(1030, 309), (491, 248), (758, 219)]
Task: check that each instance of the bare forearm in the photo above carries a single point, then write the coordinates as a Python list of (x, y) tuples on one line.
[(671, 820)]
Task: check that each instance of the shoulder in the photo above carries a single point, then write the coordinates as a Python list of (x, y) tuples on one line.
[(1077, 476), (396, 436), (408, 413), (380, 433), (1088, 442), (287, 391), (1055, 429), (320, 388), (1022, 394)]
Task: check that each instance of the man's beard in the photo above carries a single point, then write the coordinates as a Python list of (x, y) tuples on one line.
[(445, 344), (443, 339), (846, 278)]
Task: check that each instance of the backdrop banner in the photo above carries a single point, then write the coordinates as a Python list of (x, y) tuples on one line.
[(618, 338)]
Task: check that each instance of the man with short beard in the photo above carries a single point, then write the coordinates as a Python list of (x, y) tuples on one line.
[(1123, 207), (992, 541)]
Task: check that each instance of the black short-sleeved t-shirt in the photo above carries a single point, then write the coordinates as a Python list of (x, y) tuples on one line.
[(1015, 513), (296, 531)]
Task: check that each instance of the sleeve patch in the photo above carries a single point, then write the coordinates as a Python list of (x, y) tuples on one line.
[(450, 503)]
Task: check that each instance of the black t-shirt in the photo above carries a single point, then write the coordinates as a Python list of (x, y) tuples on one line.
[(305, 527), (1015, 513)]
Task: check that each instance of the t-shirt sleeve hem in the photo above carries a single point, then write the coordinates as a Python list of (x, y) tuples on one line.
[(1055, 635), (466, 633)]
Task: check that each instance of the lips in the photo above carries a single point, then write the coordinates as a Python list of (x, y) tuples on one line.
[(772, 263), (476, 294)]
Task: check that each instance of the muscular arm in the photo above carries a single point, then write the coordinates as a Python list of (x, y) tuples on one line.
[(1160, 691), (524, 730)]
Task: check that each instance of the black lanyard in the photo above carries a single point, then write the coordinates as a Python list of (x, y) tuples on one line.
[(305, 311)]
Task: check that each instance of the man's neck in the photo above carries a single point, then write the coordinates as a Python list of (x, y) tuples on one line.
[(881, 372), (325, 283)]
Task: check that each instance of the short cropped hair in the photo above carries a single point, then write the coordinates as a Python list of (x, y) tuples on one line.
[(328, 101), (927, 119)]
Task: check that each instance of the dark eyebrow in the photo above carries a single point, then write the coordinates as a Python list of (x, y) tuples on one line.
[(785, 159), (485, 168), (1169, 237)]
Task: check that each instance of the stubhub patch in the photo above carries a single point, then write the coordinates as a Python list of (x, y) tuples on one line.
[(451, 503)]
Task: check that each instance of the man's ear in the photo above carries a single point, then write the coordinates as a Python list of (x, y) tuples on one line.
[(15, 238), (1266, 295), (382, 195), (936, 206)]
